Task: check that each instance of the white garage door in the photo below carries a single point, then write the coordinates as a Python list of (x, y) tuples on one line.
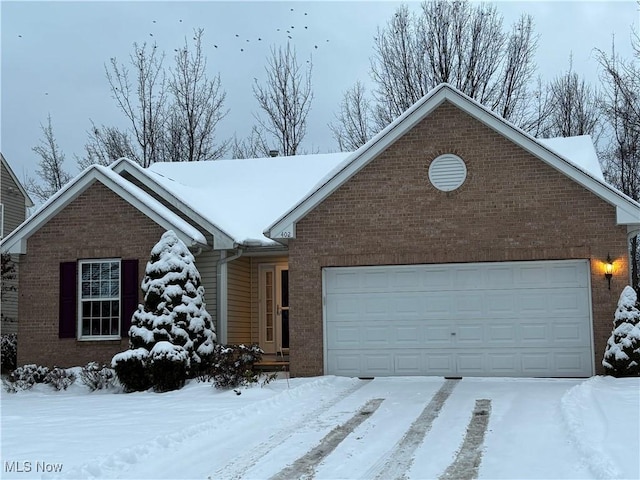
[(513, 319)]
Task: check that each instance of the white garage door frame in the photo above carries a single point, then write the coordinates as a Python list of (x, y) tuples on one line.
[(586, 365)]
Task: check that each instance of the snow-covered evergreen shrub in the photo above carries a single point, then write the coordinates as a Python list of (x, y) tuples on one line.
[(622, 355), (132, 369), (174, 308), (97, 376), (59, 378), (25, 377), (169, 366), (9, 352), (233, 366)]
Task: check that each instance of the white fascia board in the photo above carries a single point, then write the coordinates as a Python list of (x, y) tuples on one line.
[(17, 241), (412, 117), (221, 239)]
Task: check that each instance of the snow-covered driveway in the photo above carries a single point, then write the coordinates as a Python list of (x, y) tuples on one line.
[(331, 427)]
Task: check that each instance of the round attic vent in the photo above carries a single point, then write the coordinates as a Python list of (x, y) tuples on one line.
[(447, 172)]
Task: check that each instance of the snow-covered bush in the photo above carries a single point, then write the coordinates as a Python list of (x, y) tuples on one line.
[(169, 366), (233, 366), (97, 376), (622, 355), (132, 369), (9, 349), (25, 377), (174, 308), (59, 378)]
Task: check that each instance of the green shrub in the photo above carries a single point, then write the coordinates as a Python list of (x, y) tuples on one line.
[(131, 369)]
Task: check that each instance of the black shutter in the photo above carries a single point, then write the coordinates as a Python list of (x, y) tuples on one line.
[(129, 294), (68, 300)]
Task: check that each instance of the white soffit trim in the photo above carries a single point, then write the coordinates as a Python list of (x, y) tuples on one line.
[(628, 210), (221, 239), (16, 242)]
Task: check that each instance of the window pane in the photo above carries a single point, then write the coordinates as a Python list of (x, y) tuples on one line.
[(95, 271), (86, 326), (86, 309), (114, 326), (95, 309), (95, 327), (115, 271), (105, 289), (115, 287), (86, 271), (95, 289), (115, 308), (105, 269), (105, 326), (106, 309)]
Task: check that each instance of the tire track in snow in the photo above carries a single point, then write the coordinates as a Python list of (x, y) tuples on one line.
[(305, 466), (243, 463), (397, 461), (465, 466)]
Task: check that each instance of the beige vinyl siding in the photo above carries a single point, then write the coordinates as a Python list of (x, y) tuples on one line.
[(14, 210), (255, 297), (239, 301), (206, 263), (13, 201), (9, 302)]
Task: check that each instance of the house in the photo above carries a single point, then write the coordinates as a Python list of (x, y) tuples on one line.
[(452, 243), (14, 203)]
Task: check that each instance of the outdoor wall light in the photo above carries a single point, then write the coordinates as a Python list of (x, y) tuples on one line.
[(608, 270)]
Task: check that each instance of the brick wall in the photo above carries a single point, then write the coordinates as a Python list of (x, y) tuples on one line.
[(97, 224), (511, 207)]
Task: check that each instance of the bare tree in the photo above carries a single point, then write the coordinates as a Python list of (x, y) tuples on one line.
[(285, 99), (197, 107), (51, 166), (574, 107), (145, 103), (105, 145), (255, 146), (621, 107), (459, 43), (354, 122)]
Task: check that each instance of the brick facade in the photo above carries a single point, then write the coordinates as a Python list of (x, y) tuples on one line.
[(97, 224), (511, 207)]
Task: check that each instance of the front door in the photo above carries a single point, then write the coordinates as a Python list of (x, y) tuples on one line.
[(274, 308)]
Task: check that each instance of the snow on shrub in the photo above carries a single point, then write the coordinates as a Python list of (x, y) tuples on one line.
[(97, 376), (9, 349), (622, 354), (174, 309), (168, 367), (25, 377), (233, 366), (131, 367), (59, 378)]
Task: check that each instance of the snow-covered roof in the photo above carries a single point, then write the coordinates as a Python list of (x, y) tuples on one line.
[(242, 197), (578, 150), (16, 241), (627, 209)]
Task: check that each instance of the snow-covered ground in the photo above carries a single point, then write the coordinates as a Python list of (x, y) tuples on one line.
[(328, 428)]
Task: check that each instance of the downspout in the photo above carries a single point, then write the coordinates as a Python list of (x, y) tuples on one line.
[(221, 293)]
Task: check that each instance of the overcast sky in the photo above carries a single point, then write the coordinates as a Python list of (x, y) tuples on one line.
[(54, 53)]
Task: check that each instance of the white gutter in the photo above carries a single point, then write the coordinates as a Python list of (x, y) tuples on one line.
[(221, 294)]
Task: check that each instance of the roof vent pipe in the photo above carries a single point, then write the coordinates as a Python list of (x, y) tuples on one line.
[(273, 153)]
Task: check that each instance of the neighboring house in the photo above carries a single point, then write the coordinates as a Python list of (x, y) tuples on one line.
[(14, 203), (452, 243)]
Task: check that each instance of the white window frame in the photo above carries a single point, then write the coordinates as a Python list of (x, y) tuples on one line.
[(99, 298)]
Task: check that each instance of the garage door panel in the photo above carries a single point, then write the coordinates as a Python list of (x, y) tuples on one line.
[(509, 319)]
